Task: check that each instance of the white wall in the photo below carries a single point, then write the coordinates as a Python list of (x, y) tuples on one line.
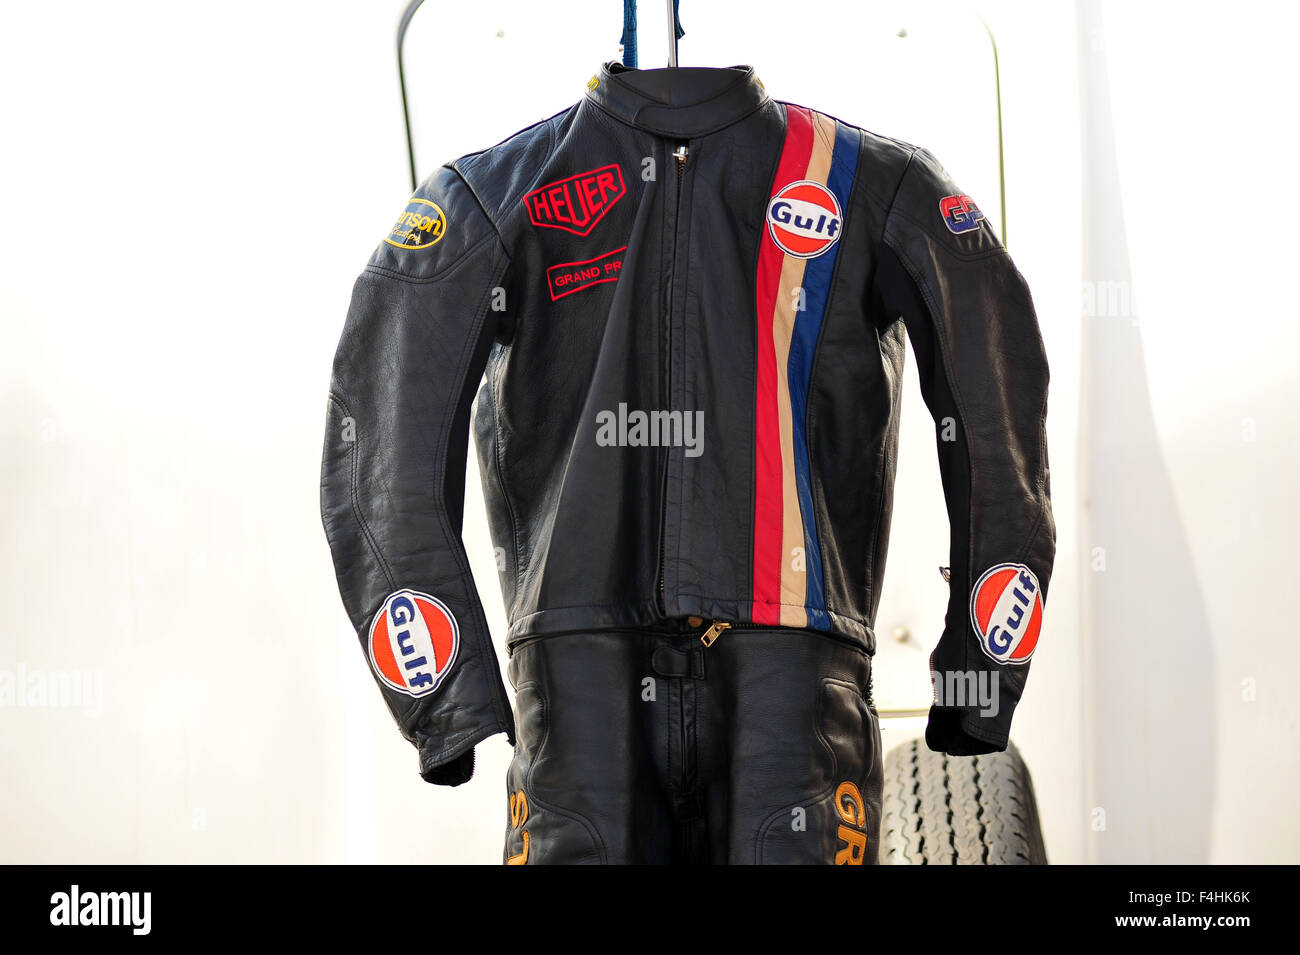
[(1188, 425), (188, 194)]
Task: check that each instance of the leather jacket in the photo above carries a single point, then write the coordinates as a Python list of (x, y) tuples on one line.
[(686, 304)]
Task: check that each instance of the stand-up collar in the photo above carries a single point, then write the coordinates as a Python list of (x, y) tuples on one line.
[(680, 101)]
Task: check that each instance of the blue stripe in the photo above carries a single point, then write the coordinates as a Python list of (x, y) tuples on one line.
[(803, 345)]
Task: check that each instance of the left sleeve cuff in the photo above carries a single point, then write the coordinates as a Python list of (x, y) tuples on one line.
[(458, 770), (452, 767), (961, 731)]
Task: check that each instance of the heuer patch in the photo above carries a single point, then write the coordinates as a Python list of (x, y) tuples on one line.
[(565, 278), (577, 203)]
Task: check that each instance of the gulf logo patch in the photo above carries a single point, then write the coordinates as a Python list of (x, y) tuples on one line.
[(960, 214), (1006, 610), (421, 225), (804, 219), (413, 642)]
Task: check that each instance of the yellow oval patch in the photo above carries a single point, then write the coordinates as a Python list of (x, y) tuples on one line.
[(422, 224)]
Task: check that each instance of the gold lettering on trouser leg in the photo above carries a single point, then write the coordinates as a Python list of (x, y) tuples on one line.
[(849, 804), (519, 816)]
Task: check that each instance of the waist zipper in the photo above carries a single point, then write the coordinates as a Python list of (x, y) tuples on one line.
[(710, 636)]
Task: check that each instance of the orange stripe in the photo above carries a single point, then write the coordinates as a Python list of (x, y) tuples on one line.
[(793, 582), (794, 576)]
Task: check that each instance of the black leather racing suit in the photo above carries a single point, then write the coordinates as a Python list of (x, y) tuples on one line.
[(690, 301)]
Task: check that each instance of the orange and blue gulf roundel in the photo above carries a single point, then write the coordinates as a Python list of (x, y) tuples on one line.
[(796, 261), (1006, 610), (413, 642)]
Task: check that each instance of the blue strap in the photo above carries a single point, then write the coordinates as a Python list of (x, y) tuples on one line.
[(629, 34), (628, 39)]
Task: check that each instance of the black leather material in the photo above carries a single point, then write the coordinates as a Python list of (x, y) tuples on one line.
[(680, 102), (392, 479), (759, 752), (582, 268)]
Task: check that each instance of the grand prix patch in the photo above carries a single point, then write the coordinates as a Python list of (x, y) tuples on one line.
[(960, 214), (422, 224), (1006, 610), (569, 277), (804, 219), (413, 642), (577, 203)]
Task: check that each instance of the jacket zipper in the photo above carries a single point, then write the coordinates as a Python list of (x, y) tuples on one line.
[(680, 154), (717, 627), (710, 636)]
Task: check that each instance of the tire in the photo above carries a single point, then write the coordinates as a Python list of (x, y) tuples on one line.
[(959, 810)]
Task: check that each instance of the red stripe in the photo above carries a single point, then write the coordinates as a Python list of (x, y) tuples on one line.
[(768, 506)]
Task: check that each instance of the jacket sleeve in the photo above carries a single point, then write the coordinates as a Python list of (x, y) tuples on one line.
[(411, 355), (984, 377)]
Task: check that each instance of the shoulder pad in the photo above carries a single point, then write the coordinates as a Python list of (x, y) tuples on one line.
[(441, 224), (928, 198), (500, 175)]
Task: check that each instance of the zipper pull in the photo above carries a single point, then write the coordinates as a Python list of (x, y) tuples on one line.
[(715, 631)]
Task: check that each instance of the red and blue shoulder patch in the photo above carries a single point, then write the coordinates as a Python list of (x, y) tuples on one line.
[(960, 214)]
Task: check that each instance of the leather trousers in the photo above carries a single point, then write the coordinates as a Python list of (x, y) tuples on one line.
[(648, 747)]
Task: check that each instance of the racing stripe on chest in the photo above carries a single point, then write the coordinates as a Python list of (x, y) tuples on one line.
[(796, 262)]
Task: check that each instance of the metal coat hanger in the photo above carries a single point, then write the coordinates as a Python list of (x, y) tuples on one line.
[(629, 58), (401, 79), (628, 41), (675, 32)]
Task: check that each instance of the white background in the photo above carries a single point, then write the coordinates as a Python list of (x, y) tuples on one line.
[(187, 193)]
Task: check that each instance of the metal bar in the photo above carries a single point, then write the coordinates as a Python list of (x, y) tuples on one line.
[(401, 79), (1002, 175), (902, 714), (672, 34)]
